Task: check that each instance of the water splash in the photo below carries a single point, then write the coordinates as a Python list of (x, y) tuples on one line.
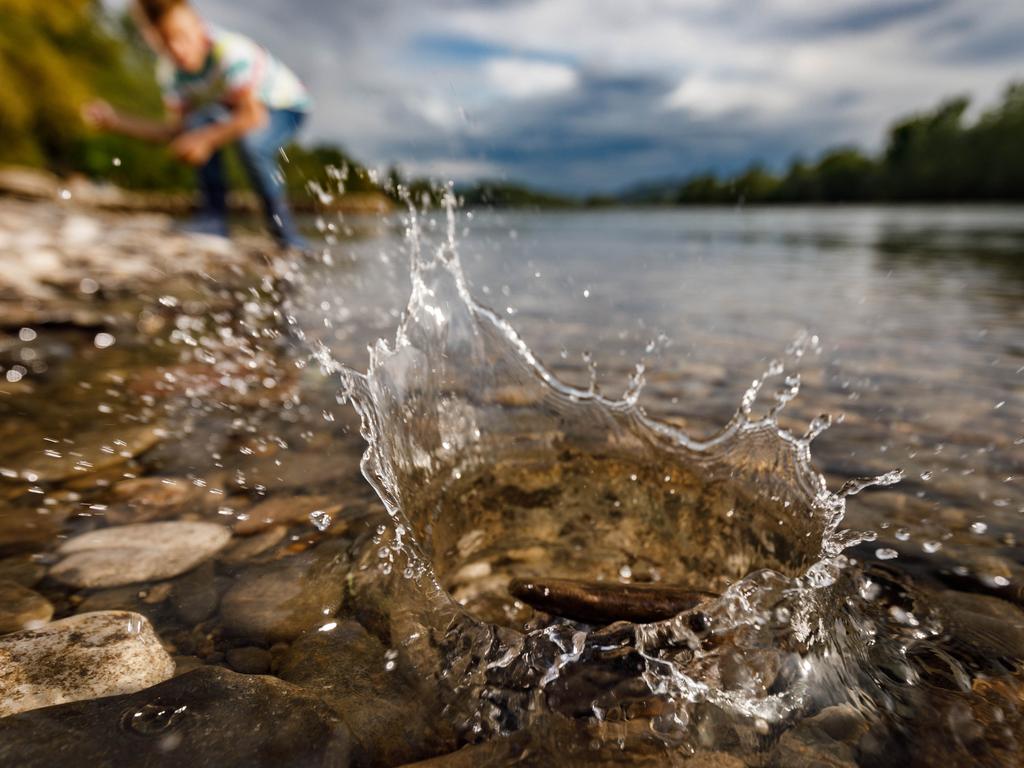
[(492, 468)]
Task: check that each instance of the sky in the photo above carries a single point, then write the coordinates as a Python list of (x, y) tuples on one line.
[(585, 96)]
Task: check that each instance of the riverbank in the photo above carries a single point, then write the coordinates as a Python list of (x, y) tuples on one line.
[(31, 184)]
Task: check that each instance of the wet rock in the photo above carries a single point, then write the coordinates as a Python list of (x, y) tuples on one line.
[(246, 548), (128, 554), (827, 740), (148, 498), (185, 664), (197, 594), (596, 602), (22, 569), (984, 627), (558, 741), (285, 510), (91, 452), (208, 717), (284, 599), (82, 657), (23, 530), (21, 608), (119, 599), (392, 717), (250, 660)]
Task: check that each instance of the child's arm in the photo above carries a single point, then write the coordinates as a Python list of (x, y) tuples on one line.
[(103, 116), (247, 114)]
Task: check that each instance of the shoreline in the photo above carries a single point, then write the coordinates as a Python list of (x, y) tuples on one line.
[(33, 184)]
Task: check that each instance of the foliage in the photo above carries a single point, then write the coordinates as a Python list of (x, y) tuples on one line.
[(930, 157)]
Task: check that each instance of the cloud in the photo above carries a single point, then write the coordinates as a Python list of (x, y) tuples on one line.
[(523, 78), (581, 94)]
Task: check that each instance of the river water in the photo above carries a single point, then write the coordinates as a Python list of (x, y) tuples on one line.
[(500, 449)]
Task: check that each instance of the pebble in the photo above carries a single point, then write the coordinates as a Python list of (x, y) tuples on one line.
[(250, 660), (22, 569), (81, 657), (283, 600), (285, 510), (90, 453), (391, 713), (127, 554), (206, 717), (243, 549), (22, 608)]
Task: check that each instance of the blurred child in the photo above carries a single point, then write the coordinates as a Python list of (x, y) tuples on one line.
[(220, 88)]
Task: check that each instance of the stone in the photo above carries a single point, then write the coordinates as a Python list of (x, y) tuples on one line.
[(149, 498), (126, 554), (287, 510), (247, 548), (391, 714), (81, 657), (827, 740), (280, 601), (207, 717), (986, 627), (196, 594), (22, 608), (91, 452), (22, 569), (250, 660)]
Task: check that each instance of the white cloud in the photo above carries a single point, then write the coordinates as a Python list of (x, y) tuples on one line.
[(526, 78), (706, 95)]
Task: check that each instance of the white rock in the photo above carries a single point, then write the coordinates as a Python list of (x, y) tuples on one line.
[(82, 657), (125, 554)]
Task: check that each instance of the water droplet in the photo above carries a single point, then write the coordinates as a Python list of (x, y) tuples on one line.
[(116, 162), (626, 572), (979, 527), (154, 718), (27, 334), (886, 553), (931, 547), (321, 520)]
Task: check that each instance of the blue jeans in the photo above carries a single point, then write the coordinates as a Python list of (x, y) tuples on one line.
[(258, 151)]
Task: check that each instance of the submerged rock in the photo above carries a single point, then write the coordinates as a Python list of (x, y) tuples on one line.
[(392, 717), (250, 660), (22, 608), (596, 602), (207, 717), (91, 452), (81, 657), (127, 554), (827, 740), (283, 600), (285, 509)]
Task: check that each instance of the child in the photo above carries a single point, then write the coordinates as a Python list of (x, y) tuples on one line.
[(220, 88)]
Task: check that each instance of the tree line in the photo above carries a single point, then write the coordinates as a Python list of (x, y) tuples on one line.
[(936, 156)]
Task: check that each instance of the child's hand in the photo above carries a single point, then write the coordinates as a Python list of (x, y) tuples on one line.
[(193, 148), (99, 114)]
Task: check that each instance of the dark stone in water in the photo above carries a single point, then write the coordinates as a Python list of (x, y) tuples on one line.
[(208, 717), (250, 660), (600, 603), (393, 717)]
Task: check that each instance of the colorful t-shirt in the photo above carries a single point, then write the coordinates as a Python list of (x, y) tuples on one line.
[(234, 64)]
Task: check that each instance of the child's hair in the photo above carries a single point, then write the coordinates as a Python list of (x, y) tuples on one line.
[(155, 10)]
